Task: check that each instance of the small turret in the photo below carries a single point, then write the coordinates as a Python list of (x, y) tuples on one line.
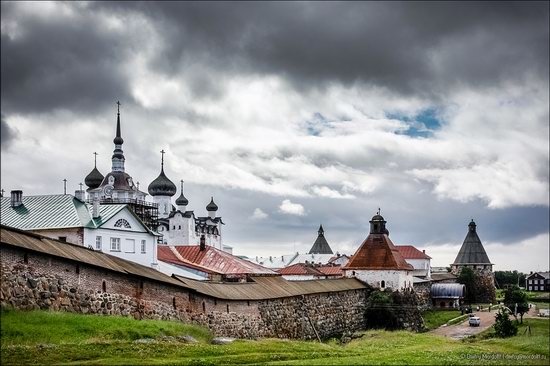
[(212, 208), (94, 179), (181, 201), (162, 189)]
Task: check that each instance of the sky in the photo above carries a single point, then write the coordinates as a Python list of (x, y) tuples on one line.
[(296, 114)]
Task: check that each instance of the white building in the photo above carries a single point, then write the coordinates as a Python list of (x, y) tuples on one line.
[(113, 229), (418, 259), (378, 262)]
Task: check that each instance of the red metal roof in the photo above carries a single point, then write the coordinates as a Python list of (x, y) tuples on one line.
[(300, 269), (378, 252), (210, 258), (331, 270), (410, 252)]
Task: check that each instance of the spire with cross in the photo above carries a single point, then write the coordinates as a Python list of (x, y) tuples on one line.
[(118, 155), (162, 152), (64, 186), (95, 159)]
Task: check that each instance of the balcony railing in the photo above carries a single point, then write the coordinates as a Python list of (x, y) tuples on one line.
[(125, 201)]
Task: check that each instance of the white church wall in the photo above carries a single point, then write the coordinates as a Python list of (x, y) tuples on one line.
[(394, 279)]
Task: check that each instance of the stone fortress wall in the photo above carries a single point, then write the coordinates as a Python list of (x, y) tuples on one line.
[(33, 280)]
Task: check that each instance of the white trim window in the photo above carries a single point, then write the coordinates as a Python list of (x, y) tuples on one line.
[(115, 244), (143, 246), (98, 242)]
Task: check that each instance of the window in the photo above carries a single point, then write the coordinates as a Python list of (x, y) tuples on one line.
[(63, 238), (123, 223), (129, 246), (530, 288), (143, 246), (179, 227), (98, 242), (115, 244), (77, 269), (382, 284), (26, 258), (174, 302)]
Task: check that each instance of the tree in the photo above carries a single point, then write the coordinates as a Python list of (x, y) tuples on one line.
[(380, 312), (509, 278), (514, 295), (503, 325), (468, 278)]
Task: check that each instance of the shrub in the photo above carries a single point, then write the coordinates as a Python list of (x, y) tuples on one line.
[(504, 327), (380, 312)]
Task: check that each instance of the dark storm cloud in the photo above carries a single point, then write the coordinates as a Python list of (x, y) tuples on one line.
[(76, 63), (7, 134), (403, 46), (66, 63)]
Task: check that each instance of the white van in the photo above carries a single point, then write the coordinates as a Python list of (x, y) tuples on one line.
[(474, 321)]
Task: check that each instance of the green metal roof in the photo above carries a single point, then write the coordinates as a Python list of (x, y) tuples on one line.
[(53, 212)]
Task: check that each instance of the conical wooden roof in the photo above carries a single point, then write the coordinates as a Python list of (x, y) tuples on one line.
[(321, 245), (472, 251)]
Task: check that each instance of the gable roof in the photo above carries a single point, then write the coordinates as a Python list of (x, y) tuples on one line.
[(300, 269), (545, 275), (472, 251), (410, 252), (212, 259), (378, 252), (58, 211)]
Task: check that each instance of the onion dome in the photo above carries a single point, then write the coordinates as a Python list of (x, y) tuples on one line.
[(182, 201), (211, 206), (94, 179), (162, 186)]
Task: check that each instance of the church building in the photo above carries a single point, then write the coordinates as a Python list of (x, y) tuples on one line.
[(175, 224)]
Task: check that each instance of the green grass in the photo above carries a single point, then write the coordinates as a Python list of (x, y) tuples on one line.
[(35, 327), (376, 347), (435, 318)]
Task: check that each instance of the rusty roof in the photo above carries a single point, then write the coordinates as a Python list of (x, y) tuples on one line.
[(410, 252), (331, 270), (272, 287), (300, 269), (56, 248), (378, 252), (212, 259)]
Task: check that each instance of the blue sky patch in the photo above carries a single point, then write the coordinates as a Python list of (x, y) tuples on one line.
[(421, 125)]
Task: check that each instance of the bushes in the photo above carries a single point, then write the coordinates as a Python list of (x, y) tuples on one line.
[(504, 327), (380, 311)]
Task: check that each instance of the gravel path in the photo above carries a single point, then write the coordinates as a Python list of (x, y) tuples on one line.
[(462, 330)]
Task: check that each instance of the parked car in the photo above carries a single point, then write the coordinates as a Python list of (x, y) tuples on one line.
[(474, 321)]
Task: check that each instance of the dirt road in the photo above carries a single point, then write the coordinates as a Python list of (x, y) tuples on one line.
[(462, 330)]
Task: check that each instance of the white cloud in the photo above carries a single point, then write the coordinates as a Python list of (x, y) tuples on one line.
[(287, 207), (324, 191), (258, 214)]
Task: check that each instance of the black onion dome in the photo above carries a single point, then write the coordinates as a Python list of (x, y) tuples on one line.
[(94, 179), (377, 218), (212, 206), (182, 201), (162, 186)]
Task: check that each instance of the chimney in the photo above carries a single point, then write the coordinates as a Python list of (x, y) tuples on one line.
[(16, 198), (424, 251), (95, 207), (202, 246), (80, 195)]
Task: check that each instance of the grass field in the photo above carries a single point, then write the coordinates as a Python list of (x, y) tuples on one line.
[(434, 319), (52, 338)]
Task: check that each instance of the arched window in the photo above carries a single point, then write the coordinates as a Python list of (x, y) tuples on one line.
[(104, 286), (123, 223), (228, 308), (382, 284)]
